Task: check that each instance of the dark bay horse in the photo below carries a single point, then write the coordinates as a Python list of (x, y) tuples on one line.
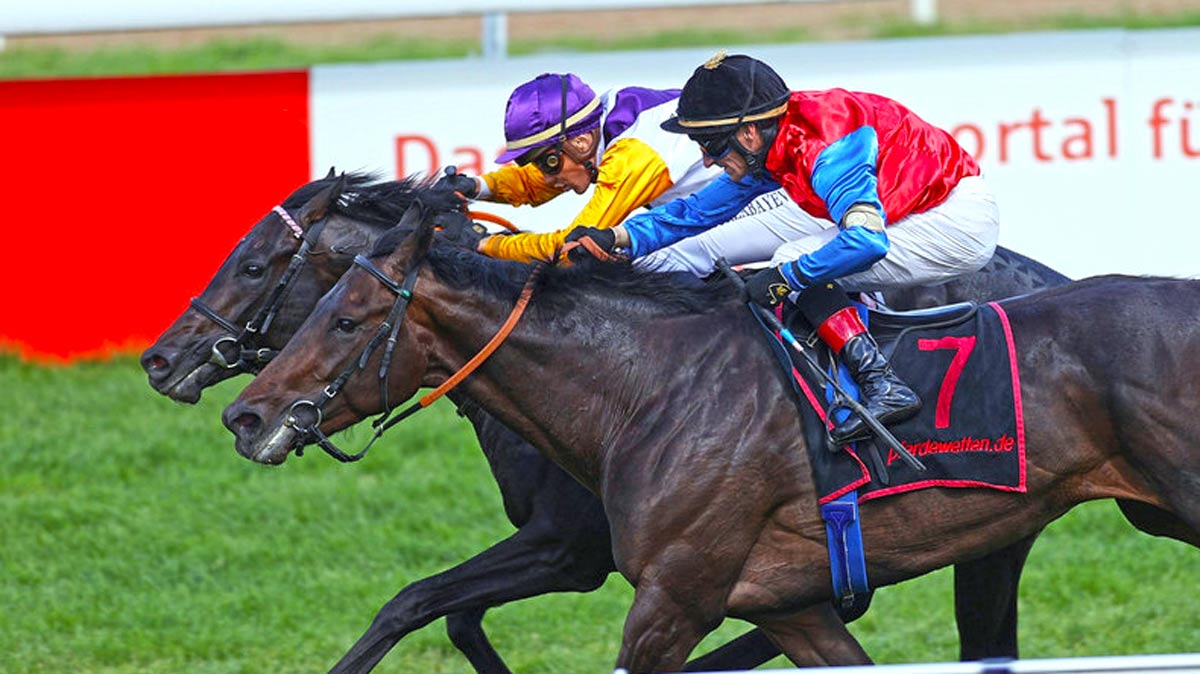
[(562, 539), (666, 403), (352, 211)]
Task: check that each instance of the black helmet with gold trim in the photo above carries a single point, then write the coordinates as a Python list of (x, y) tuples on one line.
[(726, 92)]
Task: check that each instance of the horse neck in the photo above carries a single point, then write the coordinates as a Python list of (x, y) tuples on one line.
[(568, 384)]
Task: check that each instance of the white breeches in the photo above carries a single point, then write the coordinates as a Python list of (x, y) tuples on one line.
[(769, 221), (956, 237)]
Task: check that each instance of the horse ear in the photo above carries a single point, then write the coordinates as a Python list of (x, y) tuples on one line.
[(412, 217), (316, 207), (419, 221), (332, 173)]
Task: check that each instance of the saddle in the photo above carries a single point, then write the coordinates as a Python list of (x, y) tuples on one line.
[(969, 433)]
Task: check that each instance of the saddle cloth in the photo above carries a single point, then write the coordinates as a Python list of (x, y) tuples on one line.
[(969, 431)]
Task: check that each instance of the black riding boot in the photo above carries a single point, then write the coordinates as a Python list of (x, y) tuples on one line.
[(838, 324), (884, 395)]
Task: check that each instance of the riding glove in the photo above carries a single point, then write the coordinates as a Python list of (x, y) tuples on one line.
[(460, 230), (768, 287), (454, 181), (605, 239)]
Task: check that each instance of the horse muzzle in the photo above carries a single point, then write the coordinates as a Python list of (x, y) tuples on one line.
[(180, 376), (254, 440)]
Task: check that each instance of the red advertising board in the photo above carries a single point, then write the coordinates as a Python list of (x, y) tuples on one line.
[(122, 195)]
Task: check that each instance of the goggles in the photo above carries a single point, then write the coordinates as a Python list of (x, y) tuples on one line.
[(714, 147), (549, 162)]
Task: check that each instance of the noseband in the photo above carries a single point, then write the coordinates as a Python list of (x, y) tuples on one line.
[(236, 351), (305, 416)]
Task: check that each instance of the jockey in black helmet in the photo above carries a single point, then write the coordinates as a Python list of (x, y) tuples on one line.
[(909, 203)]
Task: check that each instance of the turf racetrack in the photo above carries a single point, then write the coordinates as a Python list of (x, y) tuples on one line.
[(134, 539)]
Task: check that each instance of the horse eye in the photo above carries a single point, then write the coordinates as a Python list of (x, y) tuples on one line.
[(345, 325), (253, 271)]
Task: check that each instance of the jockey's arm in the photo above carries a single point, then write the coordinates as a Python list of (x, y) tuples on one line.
[(631, 174), (843, 175), (712, 205), (516, 186)]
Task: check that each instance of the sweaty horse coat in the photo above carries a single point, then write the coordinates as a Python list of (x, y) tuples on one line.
[(668, 405)]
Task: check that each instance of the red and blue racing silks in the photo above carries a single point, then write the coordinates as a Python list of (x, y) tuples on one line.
[(834, 149)]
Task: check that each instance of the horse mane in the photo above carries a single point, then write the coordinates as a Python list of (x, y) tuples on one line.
[(370, 199), (620, 284)]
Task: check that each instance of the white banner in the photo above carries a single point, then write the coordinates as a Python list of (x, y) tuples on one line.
[(1090, 139)]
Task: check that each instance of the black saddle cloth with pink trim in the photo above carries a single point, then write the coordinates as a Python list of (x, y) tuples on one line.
[(969, 432)]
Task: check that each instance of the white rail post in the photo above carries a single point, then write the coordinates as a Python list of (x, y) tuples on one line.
[(495, 35), (924, 12)]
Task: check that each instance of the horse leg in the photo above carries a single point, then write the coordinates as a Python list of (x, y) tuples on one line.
[(660, 631), (815, 637), (465, 630), (745, 652), (985, 602), (1157, 522), (535, 560)]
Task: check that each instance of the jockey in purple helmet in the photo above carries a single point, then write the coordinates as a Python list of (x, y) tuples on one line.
[(909, 202), (562, 136)]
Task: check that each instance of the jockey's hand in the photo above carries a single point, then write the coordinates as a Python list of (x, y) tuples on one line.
[(453, 181), (460, 230), (768, 287), (605, 240)]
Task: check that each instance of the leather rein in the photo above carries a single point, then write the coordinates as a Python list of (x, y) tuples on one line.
[(236, 351), (305, 416)]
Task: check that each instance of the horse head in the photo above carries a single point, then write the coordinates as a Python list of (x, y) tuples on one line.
[(204, 345), (273, 277), (364, 328)]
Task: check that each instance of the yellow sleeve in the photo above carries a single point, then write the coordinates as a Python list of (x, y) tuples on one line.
[(519, 185), (631, 174)]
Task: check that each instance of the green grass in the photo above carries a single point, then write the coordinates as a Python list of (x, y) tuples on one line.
[(1069, 21), (272, 54), (136, 540)]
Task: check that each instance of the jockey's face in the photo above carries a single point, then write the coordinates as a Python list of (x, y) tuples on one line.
[(573, 174), (733, 162)]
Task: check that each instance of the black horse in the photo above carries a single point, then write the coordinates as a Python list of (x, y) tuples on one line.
[(562, 542), (710, 513)]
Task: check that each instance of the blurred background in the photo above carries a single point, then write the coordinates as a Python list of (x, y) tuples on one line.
[(141, 140)]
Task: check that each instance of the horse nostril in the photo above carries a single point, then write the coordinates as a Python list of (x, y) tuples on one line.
[(241, 420), (247, 422), (155, 362)]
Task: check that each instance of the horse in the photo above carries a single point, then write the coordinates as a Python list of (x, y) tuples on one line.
[(206, 344), (560, 525), (710, 510), (556, 518)]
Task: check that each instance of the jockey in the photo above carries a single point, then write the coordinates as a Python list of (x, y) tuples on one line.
[(909, 203), (562, 136)]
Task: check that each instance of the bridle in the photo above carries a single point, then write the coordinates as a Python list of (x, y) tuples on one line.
[(305, 416), (237, 351)]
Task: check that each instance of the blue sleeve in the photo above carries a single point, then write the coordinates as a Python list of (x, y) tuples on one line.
[(844, 173), (853, 250), (714, 204)]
